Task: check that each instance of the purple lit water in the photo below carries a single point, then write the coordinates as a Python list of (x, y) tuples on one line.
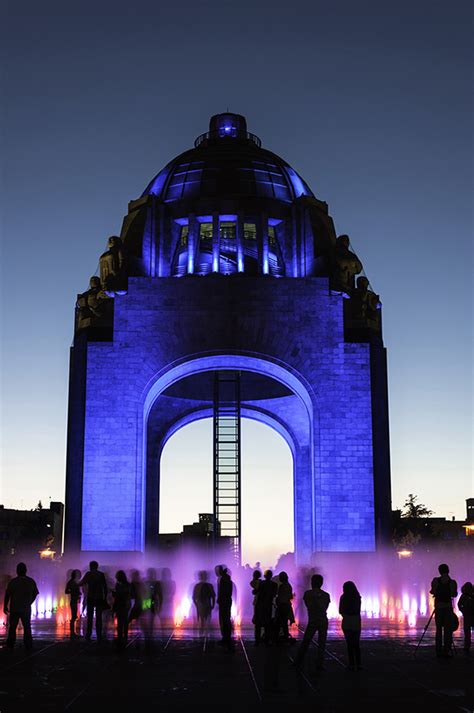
[(393, 590)]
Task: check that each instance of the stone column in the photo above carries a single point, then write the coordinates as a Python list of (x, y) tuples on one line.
[(192, 242), (216, 242), (265, 265), (240, 243)]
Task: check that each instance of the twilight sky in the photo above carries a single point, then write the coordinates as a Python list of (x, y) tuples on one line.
[(368, 100)]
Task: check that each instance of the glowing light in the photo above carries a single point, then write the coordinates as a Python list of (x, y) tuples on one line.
[(405, 602), (404, 554), (182, 611), (469, 529), (423, 604), (47, 554)]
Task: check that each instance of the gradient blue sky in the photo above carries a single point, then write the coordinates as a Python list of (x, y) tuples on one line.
[(369, 101)]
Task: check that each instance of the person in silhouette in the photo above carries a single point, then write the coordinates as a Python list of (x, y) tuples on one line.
[(151, 606), (266, 594), (74, 591), (204, 598), (137, 594), (444, 589), (349, 609), (317, 602), (466, 607), (224, 600), (20, 594), (257, 621), (284, 611), (96, 598), (122, 594), (168, 592)]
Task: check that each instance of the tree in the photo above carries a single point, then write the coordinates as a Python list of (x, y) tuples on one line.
[(415, 510)]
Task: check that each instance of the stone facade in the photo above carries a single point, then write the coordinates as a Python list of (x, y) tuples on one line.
[(294, 330)]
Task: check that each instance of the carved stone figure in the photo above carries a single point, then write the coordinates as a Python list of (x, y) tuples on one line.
[(365, 304), (112, 267), (347, 266), (92, 304)]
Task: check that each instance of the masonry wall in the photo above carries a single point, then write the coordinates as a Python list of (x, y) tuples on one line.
[(293, 322)]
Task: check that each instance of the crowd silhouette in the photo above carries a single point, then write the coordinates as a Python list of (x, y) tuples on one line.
[(150, 602)]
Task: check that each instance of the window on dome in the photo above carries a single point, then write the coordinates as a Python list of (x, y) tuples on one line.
[(271, 236), (183, 240), (227, 230), (205, 231), (250, 231)]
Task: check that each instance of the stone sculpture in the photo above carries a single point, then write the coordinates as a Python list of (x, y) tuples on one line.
[(112, 268), (347, 266), (92, 304)]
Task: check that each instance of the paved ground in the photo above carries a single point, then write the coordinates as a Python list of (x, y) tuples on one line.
[(185, 672)]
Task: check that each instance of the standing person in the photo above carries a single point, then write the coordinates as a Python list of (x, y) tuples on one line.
[(96, 598), (168, 592), (152, 605), (266, 594), (284, 611), (224, 600), (257, 621), (74, 591), (317, 602), (349, 609), (444, 589), (466, 607), (121, 607), (204, 598), (20, 594)]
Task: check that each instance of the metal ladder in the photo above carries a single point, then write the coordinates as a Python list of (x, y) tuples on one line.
[(227, 495)]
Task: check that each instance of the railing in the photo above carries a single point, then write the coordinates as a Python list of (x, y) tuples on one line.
[(218, 135)]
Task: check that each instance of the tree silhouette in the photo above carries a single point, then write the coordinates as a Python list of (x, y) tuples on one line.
[(415, 510)]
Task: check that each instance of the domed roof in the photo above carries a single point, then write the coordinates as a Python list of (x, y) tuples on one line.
[(227, 161)]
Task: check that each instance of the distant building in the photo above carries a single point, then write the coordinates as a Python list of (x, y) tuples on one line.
[(426, 531), (31, 532), (470, 511), (200, 534)]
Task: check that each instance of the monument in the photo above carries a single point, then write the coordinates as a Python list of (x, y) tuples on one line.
[(228, 295)]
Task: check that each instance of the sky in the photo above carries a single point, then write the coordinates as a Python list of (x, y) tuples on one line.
[(369, 101)]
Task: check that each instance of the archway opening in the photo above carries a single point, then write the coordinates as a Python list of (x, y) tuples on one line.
[(186, 487)]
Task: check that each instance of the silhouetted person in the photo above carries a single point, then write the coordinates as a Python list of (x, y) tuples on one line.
[(74, 591), (349, 609), (96, 598), (168, 591), (122, 594), (257, 620), (153, 599), (204, 598), (266, 594), (20, 594), (444, 589), (466, 607), (137, 594), (284, 610), (224, 600), (317, 602)]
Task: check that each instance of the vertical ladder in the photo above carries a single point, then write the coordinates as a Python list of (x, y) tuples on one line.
[(227, 496)]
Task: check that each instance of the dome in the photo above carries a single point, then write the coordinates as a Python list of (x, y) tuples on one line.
[(227, 161)]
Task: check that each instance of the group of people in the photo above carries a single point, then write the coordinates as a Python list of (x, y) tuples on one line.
[(273, 597), (273, 613), (132, 599)]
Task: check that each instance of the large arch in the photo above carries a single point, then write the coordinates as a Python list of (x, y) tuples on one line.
[(292, 417), (267, 493)]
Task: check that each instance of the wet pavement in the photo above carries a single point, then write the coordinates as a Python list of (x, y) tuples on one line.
[(184, 671)]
